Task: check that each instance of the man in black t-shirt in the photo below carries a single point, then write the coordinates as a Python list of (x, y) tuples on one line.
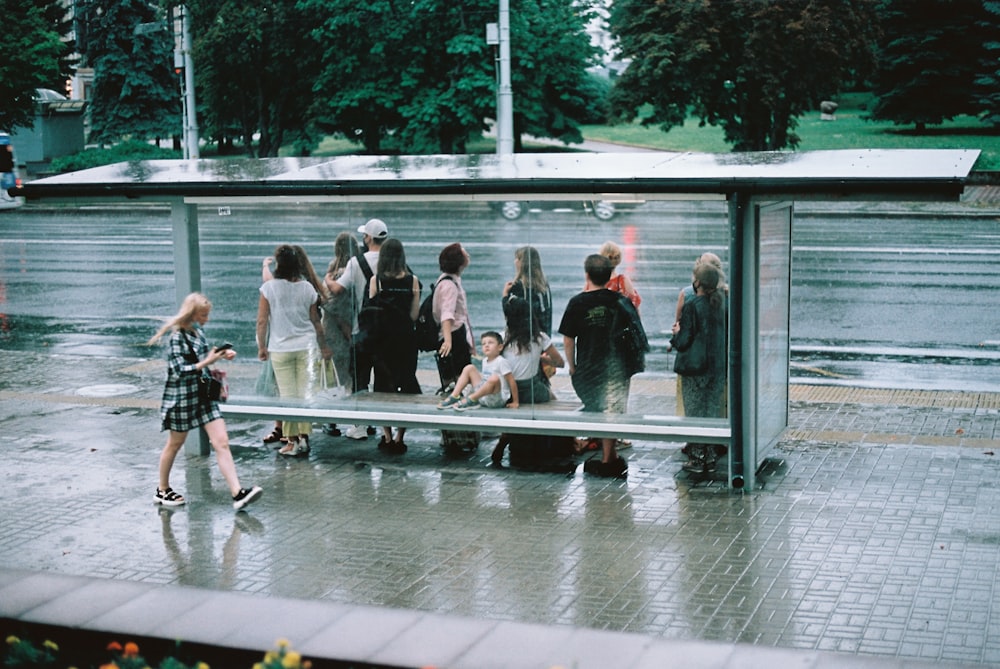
[(596, 369)]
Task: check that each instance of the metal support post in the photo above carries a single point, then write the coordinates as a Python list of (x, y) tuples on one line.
[(505, 95)]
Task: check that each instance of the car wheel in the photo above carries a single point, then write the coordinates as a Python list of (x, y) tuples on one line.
[(605, 211), (511, 210)]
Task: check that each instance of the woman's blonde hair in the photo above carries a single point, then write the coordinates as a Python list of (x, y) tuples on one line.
[(612, 252), (709, 258), (193, 304)]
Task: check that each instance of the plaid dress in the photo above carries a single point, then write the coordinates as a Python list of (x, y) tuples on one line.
[(180, 410)]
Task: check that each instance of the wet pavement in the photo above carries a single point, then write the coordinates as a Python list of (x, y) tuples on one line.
[(874, 534)]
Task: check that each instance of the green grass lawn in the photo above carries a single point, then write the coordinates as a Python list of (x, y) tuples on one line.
[(848, 131)]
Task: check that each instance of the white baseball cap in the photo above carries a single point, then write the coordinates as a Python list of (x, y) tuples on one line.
[(375, 229)]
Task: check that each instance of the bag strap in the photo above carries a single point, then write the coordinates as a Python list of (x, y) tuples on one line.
[(194, 355), (366, 269)]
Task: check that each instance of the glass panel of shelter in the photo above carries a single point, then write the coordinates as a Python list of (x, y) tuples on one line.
[(659, 242)]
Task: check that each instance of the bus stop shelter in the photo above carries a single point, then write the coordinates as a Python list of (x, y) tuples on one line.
[(759, 191)]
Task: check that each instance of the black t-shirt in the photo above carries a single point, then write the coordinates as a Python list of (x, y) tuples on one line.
[(589, 318)]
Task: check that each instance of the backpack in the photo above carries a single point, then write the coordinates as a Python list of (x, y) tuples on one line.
[(629, 337), (426, 327)]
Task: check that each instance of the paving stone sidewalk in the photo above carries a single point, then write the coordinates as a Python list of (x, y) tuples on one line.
[(874, 533)]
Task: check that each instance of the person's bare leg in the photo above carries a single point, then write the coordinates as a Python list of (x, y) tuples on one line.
[(217, 434), (167, 456)]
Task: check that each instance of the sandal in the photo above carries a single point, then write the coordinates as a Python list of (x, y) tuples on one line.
[(168, 497), (275, 436)]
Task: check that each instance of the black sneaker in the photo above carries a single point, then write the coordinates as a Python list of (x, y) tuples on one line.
[(246, 496), (616, 469), (392, 447), (331, 429)]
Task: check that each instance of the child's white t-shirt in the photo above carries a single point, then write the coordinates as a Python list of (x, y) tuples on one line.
[(499, 365)]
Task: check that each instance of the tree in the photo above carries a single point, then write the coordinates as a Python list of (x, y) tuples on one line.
[(550, 55), (419, 77), (988, 82), (751, 67), (32, 55), (135, 93), (930, 55), (255, 71)]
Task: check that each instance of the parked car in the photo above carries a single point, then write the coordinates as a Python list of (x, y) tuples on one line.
[(603, 209)]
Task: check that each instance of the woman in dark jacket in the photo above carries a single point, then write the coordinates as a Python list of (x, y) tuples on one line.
[(395, 354), (700, 341)]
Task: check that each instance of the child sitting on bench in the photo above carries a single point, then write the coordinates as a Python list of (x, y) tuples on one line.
[(494, 388)]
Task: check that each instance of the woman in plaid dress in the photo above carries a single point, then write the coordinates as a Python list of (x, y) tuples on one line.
[(181, 410)]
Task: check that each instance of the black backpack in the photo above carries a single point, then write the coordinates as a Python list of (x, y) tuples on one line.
[(427, 328)]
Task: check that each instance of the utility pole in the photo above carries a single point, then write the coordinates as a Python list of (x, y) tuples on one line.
[(505, 95), (183, 59)]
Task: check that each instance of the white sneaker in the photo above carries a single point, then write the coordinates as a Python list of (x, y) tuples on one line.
[(356, 432)]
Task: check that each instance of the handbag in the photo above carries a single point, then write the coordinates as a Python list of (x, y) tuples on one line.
[(212, 383), (213, 387), (692, 361), (329, 382), (267, 385)]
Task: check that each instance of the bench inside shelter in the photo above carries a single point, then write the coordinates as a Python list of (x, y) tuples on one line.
[(753, 195), (558, 418)]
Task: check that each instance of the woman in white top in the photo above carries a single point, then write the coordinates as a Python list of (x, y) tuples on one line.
[(288, 320)]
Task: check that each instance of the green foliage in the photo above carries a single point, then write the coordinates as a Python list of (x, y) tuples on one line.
[(419, 77), (987, 83), (414, 77), (930, 55), (32, 55), (255, 70), (22, 653), (126, 151), (550, 51), (135, 92), (729, 63)]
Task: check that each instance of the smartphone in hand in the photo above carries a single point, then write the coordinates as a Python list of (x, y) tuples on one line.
[(224, 347)]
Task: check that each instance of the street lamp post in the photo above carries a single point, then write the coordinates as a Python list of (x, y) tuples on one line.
[(505, 95), (190, 110)]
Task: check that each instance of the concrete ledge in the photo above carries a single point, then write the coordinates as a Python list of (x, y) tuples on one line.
[(367, 635)]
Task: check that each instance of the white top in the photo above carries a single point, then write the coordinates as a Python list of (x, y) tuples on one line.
[(289, 328), (498, 365), (524, 364), (353, 279)]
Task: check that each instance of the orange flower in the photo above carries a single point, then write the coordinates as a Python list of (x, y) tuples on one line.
[(114, 646), (131, 649)]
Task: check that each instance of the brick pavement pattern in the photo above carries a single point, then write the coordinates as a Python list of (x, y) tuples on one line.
[(874, 532)]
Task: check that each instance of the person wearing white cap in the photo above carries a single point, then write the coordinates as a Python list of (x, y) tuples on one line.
[(355, 279)]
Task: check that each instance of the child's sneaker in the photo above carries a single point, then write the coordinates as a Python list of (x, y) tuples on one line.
[(246, 496), (449, 402), (466, 404)]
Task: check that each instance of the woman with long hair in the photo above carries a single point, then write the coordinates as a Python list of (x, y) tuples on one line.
[(288, 332), (183, 409), (700, 341), (529, 284), (338, 316), (395, 355), (309, 274)]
